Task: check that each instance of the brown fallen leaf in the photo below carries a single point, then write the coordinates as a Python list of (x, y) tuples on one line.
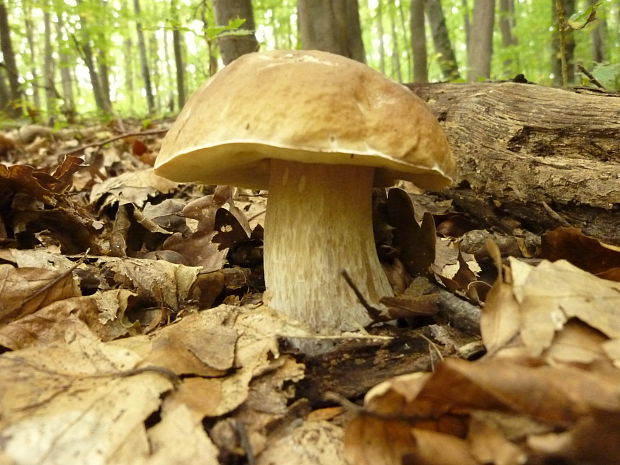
[(586, 252), (24, 290), (54, 322)]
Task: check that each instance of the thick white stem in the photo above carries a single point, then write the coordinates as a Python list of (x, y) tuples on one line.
[(319, 222)]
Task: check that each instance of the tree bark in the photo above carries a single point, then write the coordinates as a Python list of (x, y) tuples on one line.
[(233, 46), (332, 26), (480, 46), (441, 40), (418, 41), (521, 150), (9, 62), (144, 64)]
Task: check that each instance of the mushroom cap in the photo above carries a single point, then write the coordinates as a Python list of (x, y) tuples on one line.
[(306, 106)]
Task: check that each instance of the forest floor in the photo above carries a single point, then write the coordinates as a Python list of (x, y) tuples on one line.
[(133, 330)]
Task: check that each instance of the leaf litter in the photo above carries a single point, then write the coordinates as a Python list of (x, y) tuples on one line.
[(133, 330)]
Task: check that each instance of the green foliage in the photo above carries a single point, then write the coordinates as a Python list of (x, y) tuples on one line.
[(585, 18), (608, 75), (110, 28)]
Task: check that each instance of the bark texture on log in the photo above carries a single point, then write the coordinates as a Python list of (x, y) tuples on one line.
[(547, 155)]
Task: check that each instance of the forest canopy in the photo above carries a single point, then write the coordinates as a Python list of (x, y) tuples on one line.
[(68, 59)]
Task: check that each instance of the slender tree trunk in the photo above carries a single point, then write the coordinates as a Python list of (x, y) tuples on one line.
[(562, 43), (155, 67), (407, 40), (5, 93), (418, 41), (233, 46), (331, 25), (9, 61), (211, 50), (50, 90), (381, 33), (441, 40), (85, 48), (177, 44), (480, 47), (129, 85), (36, 95), (598, 35), (506, 25), (102, 58), (68, 106), (466, 22), (396, 71), (144, 64)]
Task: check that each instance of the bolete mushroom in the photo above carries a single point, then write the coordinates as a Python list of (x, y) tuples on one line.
[(318, 130)]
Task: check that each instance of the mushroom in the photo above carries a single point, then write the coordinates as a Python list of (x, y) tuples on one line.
[(319, 131)]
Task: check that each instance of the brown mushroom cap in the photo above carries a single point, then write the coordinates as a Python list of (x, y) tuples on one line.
[(304, 106)]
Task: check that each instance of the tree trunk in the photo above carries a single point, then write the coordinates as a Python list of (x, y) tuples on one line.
[(48, 68), (598, 35), (441, 40), (562, 43), (396, 71), (177, 45), (211, 49), (406, 31), (506, 25), (36, 95), (68, 106), (480, 47), (6, 45), (144, 64), (233, 46), (86, 51), (380, 34), (102, 57), (129, 85), (418, 41), (5, 93), (332, 26), (521, 152)]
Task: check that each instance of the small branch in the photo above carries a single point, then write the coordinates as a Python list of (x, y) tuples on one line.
[(112, 139), (591, 77)]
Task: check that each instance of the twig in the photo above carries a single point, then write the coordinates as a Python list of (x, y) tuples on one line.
[(373, 312), (591, 77), (555, 215), (112, 139)]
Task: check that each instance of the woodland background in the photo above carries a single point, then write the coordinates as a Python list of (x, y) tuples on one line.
[(142, 58)]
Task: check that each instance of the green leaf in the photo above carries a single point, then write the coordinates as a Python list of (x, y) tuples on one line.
[(608, 75)]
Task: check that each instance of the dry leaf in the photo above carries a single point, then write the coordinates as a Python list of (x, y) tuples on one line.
[(24, 290)]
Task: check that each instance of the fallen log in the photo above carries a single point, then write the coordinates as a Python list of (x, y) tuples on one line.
[(541, 155)]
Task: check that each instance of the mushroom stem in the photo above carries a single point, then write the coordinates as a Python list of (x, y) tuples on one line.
[(319, 222)]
